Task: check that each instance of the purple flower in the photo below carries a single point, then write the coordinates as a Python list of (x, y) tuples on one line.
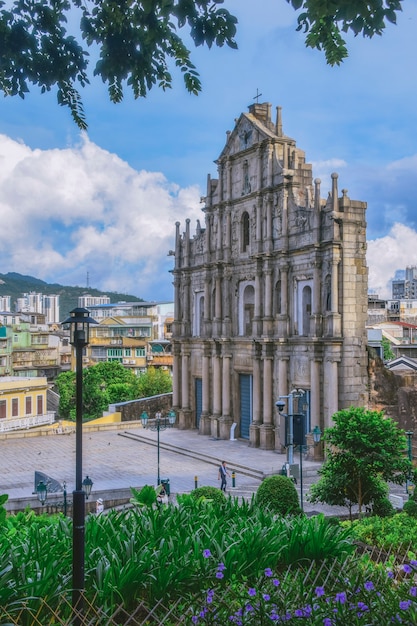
[(341, 597), (249, 608), (319, 591), (413, 591), (221, 567), (194, 619), (405, 604), (413, 562), (298, 613), (252, 591), (327, 621), (369, 586), (266, 597), (206, 554), (275, 582), (219, 575), (268, 572), (362, 607), (390, 574), (407, 569)]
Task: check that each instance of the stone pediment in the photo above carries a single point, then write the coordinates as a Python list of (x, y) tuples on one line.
[(248, 132)]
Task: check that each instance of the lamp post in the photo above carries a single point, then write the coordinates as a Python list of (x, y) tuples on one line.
[(159, 423), (289, 420), (296, 437), (42, 492), (79, 322)]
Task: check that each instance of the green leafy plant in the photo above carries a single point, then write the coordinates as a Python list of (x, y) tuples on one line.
[(209, 493), (144, 497), (3, 513), (364, 450), (278, 494), (410, 507)]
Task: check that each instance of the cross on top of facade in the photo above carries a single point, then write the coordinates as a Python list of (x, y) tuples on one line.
[(258, 95)]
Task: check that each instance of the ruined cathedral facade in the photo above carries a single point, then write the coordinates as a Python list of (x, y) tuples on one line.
[(270, 292)]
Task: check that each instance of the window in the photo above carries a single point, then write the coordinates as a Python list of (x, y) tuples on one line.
[(245, 231), (115, 352), (2, 409), (140, 352), (198, 314), (39, 405), (28, 405), (278, 297), (99, 353), (15, 407), (246, 308), (328, 293), (306, 310), (128, 352)]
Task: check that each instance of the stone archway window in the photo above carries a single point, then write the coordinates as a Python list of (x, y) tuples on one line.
[(328, 293), (246, 309), (198, 314), (306, 310), (277, 298), (245, 231)]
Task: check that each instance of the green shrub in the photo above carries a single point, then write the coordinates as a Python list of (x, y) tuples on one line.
[(278, 494), (410, 507), (383, 507), (209, 493)]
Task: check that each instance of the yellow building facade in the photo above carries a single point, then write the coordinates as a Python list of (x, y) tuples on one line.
[(23, 403)]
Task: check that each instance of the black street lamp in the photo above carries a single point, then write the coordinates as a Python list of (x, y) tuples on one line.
[(296, 435), (42, 492), (159, 423), (79, 322)]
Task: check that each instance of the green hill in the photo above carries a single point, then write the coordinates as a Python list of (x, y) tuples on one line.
[(15, 285)]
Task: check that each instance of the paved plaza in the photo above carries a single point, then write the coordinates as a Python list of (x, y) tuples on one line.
[(114, 459)]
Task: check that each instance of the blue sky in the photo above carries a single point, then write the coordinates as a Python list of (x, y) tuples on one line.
[(106, 202)]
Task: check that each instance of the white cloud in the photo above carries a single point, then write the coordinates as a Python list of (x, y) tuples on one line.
[(68, 212), (385, 255)]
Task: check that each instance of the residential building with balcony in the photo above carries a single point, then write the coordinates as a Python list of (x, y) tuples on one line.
[(23, 403), (135, 336)]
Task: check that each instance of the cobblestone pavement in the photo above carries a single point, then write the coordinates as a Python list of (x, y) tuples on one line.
[(115, 461)]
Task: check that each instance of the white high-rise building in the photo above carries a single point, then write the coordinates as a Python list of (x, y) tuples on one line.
[(50, 307), (30, 303), (88, 301), (5, 303)]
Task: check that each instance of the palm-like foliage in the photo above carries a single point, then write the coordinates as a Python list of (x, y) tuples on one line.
[(148, 553)]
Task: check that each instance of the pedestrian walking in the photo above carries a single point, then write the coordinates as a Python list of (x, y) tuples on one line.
[(223, 473)]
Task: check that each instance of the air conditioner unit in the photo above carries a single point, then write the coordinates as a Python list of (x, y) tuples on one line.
[(150, 357), (132, 362), (85, 359)]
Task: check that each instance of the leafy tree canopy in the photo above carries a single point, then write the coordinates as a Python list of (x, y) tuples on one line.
[(107, 383), (45, 42), (154, 382), (364, 448)]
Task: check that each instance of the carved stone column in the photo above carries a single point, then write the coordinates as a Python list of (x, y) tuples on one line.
[(266, 431), (217, 390), (185, 416), (205, 423), (226, 420), (256, 396)]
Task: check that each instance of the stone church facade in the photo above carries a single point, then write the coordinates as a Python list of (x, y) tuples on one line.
[(270, 292)]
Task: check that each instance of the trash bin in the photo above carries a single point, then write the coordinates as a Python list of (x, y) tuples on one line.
[(283, 471), (165, 483)]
